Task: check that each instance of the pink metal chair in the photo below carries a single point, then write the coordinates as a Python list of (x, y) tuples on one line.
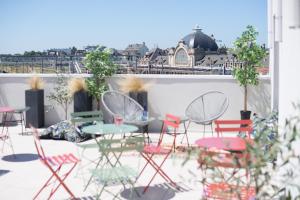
[(150, 150), (220, 160), (231, 126), (54, 164)]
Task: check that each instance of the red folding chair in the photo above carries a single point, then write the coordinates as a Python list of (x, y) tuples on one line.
[(54, 164), (233, 126), (171, 123), (220, 160)]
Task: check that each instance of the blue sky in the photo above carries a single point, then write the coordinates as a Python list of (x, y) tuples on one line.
[(43, 24)]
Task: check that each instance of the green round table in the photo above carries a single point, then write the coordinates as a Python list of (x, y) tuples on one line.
[(106, 129)]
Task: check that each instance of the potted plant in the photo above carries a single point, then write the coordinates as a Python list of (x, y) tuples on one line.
[(99, 63), (136, 88), (61, 93), (82, 99), (250, 54), (34, 98)]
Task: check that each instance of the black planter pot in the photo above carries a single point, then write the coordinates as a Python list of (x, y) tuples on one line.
[(245, 114), (35, 115), (141, 98), (82, 101)]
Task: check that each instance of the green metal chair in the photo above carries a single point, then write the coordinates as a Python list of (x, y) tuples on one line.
[(80, 118), (113, 172)]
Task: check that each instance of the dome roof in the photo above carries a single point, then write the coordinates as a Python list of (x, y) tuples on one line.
[(198, 39)]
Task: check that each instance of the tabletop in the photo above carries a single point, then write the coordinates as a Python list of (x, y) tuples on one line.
[(105, 129), (5, 109), (224, 143)]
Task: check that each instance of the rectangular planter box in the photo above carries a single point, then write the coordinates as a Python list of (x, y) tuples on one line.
[(82, 101), (141, 98), (35, 115)]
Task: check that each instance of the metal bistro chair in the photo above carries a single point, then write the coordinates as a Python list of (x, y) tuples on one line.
[(116, 103), (206, 108), (223, 161), (55, 164), (79, 118), (113, 172)]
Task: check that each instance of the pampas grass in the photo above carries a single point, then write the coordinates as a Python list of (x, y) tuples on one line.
[(76, 85), (36, 83), (133, 84)]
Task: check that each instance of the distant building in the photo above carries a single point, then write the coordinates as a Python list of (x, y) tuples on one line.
[(135, 51), (195, 49), (59, 52)]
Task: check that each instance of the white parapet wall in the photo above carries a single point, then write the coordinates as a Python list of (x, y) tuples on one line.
[(167, 94)]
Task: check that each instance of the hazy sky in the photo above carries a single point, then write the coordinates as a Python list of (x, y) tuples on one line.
[(43, 24)]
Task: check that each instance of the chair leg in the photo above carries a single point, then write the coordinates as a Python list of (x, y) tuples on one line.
[(158, 170)]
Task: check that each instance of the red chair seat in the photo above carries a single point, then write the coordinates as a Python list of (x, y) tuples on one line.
[(62, 159), (225, 191), (153, 149)]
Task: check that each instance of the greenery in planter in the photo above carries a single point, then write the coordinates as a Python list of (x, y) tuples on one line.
[(251, 54), (61, 93), (76, 85), (100, 64), (133, 84), (36, 83)]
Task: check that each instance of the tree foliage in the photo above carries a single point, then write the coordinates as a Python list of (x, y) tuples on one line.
[(61, 93), (99, 63), (251, 55)]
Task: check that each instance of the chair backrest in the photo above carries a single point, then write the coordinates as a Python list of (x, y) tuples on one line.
[(38, 144), (234, 126), (116, 103), (84, 117), (121, 145), (207, 107), (170, 123)]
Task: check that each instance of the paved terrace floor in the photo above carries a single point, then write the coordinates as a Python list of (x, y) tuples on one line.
[(23, 176)]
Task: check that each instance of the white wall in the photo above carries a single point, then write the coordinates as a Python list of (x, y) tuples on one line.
[(289, 62), (168, 94)]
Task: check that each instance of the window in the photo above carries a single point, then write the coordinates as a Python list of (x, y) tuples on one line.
[(181, 57)]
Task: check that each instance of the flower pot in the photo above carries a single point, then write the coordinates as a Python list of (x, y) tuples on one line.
[(35, 115), (141, 98), (82, 101), (245, 114)]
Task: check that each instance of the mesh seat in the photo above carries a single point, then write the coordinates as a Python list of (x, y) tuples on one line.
[(116, 103), (207, 108)]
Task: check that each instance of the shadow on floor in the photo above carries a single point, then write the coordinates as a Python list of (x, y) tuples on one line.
[(163, 191), (24, 157), (3, 172)]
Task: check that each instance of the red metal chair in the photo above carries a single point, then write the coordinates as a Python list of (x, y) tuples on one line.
[(54, 164), (220, 160), (150, 150), (238, 126)]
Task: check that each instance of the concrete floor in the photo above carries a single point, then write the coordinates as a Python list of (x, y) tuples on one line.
[(23, 176)]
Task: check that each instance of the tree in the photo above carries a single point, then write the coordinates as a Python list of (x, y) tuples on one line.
[(100, 64), (251, 54), (61, 93)]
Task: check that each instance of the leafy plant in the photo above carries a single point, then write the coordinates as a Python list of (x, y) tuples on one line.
[(99, 63), (61, 93), (251, 54)]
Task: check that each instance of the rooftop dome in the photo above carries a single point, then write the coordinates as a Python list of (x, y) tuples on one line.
[(198, 39)]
